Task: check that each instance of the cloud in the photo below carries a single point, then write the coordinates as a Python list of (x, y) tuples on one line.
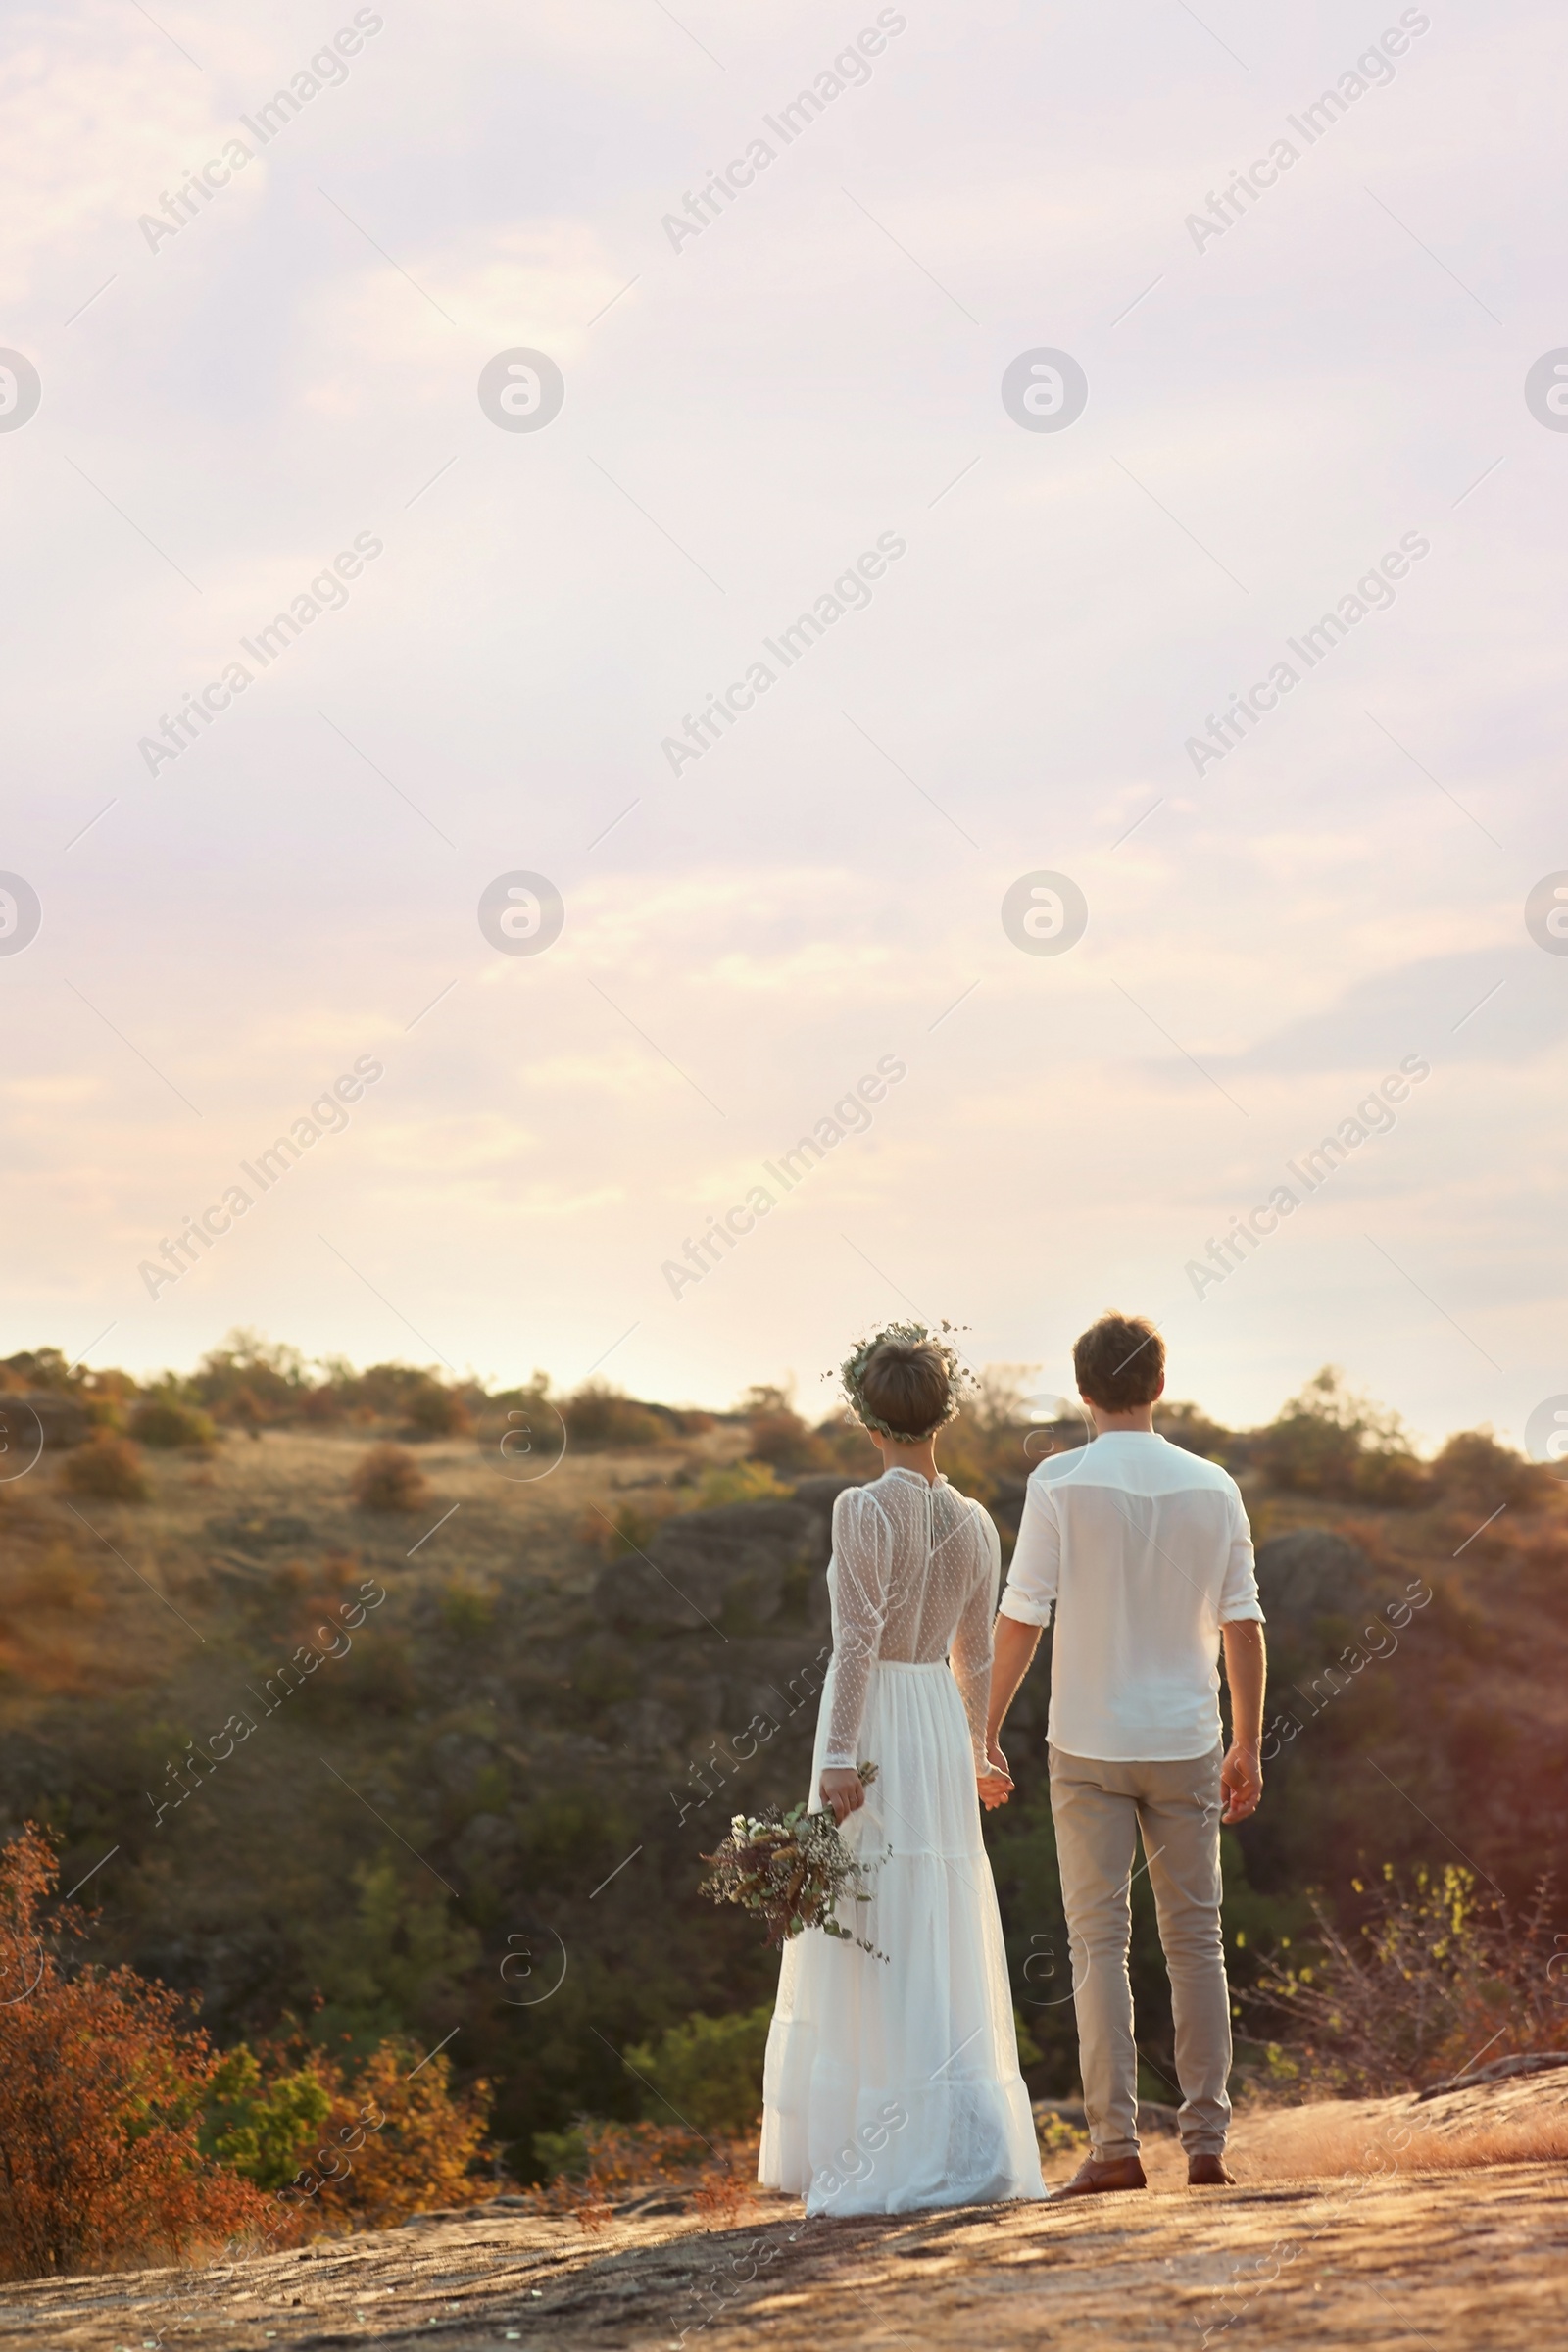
[(1489, 1005)]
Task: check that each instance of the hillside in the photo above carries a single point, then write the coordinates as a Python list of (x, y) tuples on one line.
[(476, 1818)]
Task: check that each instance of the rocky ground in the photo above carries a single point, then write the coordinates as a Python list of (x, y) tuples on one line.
[(1455, 2256)]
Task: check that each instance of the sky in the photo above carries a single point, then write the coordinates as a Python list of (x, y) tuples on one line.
[(1328, 390)]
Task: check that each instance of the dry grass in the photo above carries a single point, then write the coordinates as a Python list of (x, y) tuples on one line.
[(627, 2162), (1516, 2123)]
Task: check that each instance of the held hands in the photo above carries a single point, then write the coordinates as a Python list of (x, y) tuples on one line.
[(844, 1791), (995, 1785), (1240, 1781)]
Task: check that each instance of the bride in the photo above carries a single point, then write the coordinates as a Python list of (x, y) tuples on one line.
[(892, 2085)]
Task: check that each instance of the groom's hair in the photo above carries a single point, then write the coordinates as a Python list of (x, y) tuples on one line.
[(1120, 1363), (906, 1385)]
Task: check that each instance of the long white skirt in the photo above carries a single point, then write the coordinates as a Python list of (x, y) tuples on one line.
[(893, 2085)]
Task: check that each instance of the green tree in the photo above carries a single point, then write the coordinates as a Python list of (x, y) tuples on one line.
[(396, 1962)]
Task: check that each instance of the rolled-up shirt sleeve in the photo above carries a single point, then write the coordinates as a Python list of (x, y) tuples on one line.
[(1238, 1597), (1031, 1587)]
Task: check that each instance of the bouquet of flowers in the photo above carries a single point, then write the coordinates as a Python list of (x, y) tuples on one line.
[(792, 1870)]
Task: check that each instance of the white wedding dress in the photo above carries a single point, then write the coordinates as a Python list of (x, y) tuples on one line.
[(893, 2085)]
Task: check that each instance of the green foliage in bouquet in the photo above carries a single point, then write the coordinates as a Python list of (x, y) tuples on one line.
[(792, 1870)]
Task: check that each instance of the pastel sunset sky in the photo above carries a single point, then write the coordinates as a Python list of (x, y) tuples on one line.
[(1329, 367)]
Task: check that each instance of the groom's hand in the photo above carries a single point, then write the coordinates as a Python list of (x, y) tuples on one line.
[(1240, 1780), (844, 1791), (995, 1786)]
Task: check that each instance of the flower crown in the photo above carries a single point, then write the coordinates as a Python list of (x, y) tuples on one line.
[(853, 1374)]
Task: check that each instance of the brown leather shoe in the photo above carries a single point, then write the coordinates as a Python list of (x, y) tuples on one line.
[(1093, 2179), (1208, 2171)]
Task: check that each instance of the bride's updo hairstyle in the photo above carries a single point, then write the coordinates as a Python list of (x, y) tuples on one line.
[(904, 1383)]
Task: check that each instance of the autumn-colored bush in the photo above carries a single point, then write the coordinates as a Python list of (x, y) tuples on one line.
[(102, 2083), (164, 1421), (350, 2146), (389, 1479), (106, 1467), (425, 2140)]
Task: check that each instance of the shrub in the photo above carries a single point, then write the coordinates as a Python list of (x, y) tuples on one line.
[(106, 1467), (261, 2130), (389, 1479), (435, 1411), (38, 1368), (708, 2071), (249, 1379), (1184, 1425), (740, 1482), (852, 1452), (1474, 1470), (1395, 1481), (412, 2141), (367, 2145), (161, 1421), (243, 1409), (101, 2088), (1434, 1975), (1327, 1442), (778, 1435), (600, 1416)]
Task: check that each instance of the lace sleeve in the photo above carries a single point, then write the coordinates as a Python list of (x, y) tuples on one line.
[(971, 1640), (863, 1551)]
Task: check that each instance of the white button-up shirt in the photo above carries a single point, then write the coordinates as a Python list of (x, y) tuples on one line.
[(1146, 1552)]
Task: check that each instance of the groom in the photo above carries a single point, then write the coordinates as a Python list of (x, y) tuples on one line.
[(1146, 1552)]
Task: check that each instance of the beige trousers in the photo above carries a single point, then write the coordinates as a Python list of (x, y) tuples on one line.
[(1100, 1811)]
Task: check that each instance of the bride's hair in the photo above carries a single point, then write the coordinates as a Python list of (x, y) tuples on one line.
[(906, 1386)]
